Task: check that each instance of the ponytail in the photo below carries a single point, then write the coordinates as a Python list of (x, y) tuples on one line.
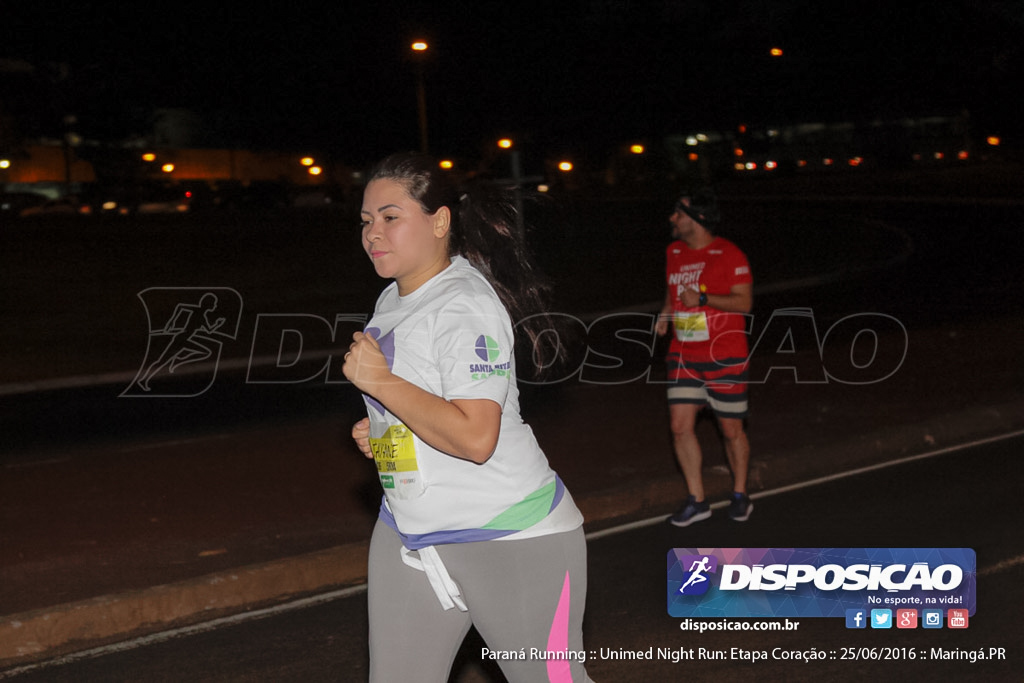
[(491, 234)]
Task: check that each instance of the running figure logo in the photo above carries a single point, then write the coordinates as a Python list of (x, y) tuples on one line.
[(187, 331), (698, 567)]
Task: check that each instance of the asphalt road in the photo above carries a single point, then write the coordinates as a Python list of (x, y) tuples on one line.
[(931, 265), (921, 503)]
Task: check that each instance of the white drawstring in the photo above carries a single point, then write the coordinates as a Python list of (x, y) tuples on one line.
[(427, 560)]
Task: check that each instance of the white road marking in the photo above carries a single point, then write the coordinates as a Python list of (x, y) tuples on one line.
[(611, 531), (323, 598)]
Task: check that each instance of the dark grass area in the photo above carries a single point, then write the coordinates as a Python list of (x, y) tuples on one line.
[(69, 288)]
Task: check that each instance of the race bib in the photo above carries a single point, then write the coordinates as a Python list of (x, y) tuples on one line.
[(691, 326), (395, 456)]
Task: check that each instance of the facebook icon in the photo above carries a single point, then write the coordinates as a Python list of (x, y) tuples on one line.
[(856, 618)]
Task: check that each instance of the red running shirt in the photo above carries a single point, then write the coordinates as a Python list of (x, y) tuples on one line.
[(704, 333)]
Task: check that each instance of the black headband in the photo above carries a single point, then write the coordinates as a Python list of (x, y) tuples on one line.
[(706, 216)]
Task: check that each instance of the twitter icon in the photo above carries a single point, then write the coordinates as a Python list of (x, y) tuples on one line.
[(881, 618)]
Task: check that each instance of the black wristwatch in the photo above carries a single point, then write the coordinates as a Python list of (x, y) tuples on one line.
[(703, 299)]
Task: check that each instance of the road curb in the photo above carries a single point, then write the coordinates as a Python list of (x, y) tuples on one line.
[(84, 624), (73, 627)]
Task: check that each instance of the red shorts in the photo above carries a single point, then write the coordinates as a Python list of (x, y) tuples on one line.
[(722, 385)]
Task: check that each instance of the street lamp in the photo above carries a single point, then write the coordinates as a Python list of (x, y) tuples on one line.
[(421, 94)]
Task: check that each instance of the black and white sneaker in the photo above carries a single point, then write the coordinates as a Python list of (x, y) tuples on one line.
[(691, 512), (740, 507)]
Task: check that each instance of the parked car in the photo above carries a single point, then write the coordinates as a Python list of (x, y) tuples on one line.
[(13, 203), (64, 206), (138, 199), (169, 199)]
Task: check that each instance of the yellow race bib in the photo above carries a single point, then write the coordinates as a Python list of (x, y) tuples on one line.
[(395, 456), (691, 326)]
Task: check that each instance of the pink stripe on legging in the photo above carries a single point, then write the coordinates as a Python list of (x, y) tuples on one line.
[(559, 670)]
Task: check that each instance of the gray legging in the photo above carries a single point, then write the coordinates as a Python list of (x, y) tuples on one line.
[(525, 597)]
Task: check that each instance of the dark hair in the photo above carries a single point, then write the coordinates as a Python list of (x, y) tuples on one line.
[(488, 229)]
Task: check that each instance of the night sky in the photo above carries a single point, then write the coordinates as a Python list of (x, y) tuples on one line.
[(340, 77)]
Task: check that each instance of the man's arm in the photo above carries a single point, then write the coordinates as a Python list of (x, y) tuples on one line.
[(740, 299)]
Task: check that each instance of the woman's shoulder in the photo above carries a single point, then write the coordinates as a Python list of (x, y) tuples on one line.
[(463, 278), (465, 289)]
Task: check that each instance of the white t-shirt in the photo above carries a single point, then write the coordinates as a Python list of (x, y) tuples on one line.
[(453, 338)]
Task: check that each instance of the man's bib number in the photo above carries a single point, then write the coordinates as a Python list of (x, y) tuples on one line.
[(691, 326)]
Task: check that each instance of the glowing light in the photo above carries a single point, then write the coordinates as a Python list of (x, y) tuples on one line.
[(738, 166), (636, 149), (149, 156), (856, 161), (5, 163), (543, 188), (315, 170), (565, 166), (962, 154), (693, 156), (993, 140), (167, 168), (940, 155), (776, 52), (505, 143), (770, 165), (738, 152), (691, 140), (751, 166), (801, 163), (420, 46), (446, 164), (828, 161), (307, 161)]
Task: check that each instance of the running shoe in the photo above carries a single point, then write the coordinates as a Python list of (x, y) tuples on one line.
[(691, 512), (740, 507)]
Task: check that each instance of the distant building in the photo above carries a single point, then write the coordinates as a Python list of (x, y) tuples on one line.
[(57, 164)]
